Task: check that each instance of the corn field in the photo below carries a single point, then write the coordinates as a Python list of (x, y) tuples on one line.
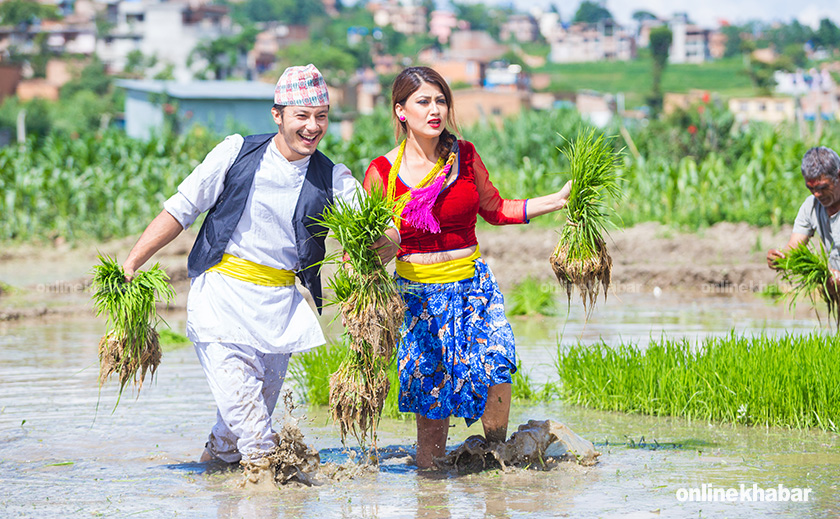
[(97, 185), (689, 171)]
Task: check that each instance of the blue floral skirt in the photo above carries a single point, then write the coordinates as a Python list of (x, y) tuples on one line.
[(456, 343)]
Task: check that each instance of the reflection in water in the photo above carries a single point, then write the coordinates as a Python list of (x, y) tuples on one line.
[(61, 457)]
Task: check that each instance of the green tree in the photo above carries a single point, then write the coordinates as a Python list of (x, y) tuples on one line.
[(26, 12), (641, 16), (224, 53), (92, 78), (482, 17), (795, 52), (660, 45), (336, 64), (733, 40), (592, 12), (286, 11), (828, 34)]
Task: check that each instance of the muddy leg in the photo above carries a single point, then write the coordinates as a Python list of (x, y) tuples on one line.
[(495, 417), (431, 440), (235, 374)]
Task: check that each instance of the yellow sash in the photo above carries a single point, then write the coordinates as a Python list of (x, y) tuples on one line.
[(251, 272), (444, 272)]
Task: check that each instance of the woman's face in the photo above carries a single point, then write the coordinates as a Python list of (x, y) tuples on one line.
[(424, 111)]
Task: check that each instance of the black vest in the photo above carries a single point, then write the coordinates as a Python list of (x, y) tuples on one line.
[(221, 220)]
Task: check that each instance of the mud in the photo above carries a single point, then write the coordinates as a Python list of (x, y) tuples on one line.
[(295, 462), (535, 445), (291, 461), (50, 280)]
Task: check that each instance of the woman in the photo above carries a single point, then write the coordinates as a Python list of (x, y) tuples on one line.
[(457, 355)]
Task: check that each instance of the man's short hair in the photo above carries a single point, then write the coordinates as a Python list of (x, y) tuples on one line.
[(819, 162), (279, 108)]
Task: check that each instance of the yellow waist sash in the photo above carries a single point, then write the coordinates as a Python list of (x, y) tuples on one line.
[(251, 272), (444, 272)]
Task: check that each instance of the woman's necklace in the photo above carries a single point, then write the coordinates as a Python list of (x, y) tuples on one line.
[(422, 196)]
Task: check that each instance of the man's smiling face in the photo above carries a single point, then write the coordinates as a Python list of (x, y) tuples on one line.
[(301, 129)]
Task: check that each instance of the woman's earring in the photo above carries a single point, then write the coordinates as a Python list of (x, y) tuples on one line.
[(402, 118)]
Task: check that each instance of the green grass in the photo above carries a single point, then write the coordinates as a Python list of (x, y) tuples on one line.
[(769, 381), (531, 297), (727, 77)]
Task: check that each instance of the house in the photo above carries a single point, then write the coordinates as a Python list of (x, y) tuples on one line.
[(595, 107), (405, 19), (10, 76), (58, 73), (520, 27), (500, 75), (466, 60), (474, 45), (77, 39), (772, 110), (585, 42), (263, 56), (488, 106), (222, 106), (690, 43), (442, 23), (169, 31), (673, 101)]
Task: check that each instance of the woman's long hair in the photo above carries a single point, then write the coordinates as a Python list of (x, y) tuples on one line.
[(408, 82)]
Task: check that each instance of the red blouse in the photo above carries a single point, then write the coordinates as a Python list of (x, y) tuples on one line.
[(456, 208)]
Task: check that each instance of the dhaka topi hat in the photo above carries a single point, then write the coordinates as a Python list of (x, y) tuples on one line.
[(301, 86)]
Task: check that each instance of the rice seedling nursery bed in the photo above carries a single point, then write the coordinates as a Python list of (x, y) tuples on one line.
[(785, 381)]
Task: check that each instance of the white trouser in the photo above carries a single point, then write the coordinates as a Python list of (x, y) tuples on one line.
[(246, 384)]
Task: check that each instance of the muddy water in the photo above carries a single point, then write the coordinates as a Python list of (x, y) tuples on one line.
[(61, 457)]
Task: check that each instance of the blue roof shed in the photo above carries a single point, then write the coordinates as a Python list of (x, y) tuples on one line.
[(222, 106)]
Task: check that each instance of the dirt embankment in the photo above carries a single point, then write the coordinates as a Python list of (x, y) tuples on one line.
[(43, 280)]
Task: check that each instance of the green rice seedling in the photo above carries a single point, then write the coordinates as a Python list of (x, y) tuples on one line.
[(531, 297), (171, 340), (132, 346), (372, 312), (311, 371), (523, 387), (581, 258), (809, 275), (761, 380)]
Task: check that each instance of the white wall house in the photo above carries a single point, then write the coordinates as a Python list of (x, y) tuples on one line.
[(167, 30)]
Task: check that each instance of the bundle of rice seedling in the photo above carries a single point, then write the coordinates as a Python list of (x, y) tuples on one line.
[(372, 311), (131, 348), (358, 390), (809, 275), (581, 258)]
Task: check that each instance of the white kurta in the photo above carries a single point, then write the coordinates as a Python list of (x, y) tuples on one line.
[(223, 309)]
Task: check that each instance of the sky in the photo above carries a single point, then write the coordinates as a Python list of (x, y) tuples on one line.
[(704, 12)]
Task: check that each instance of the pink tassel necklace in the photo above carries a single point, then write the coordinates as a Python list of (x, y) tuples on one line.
[(415, 206)]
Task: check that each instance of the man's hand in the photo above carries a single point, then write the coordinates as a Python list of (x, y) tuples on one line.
[(129, 273), (772, 256)]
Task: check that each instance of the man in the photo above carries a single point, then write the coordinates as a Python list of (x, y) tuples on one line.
[(820, 211), (244, 314)]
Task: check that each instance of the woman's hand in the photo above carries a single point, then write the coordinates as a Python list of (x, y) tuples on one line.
[(563, 194)]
